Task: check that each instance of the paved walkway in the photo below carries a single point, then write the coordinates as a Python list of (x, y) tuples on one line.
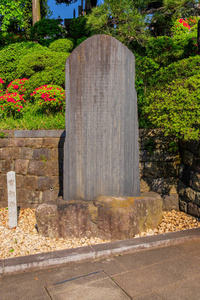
[(170, 272)]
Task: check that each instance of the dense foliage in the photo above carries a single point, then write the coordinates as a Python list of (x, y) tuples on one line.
[(175, 107), (161, 33), (78, 28), (10, 57), (47, 31), (17, 15)]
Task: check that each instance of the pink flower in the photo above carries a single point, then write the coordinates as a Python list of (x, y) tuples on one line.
[(1, 81)]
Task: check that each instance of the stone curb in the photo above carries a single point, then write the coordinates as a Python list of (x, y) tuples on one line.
[(55, 258), (39, 133)]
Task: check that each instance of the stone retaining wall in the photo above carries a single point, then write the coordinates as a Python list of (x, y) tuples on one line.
[(189, 178), (37, 158)]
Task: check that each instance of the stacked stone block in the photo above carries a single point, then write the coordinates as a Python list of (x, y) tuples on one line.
[(38, 163), (37, 159), (159, 166), (189, 178)]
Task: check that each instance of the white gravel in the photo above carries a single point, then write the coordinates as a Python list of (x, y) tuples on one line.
[(25, 240)]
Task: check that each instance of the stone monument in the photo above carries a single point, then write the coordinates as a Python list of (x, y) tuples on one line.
[(101, 156), (101, 153)]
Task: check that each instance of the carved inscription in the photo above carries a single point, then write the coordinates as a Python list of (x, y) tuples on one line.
[(101, 147), (12, 199)]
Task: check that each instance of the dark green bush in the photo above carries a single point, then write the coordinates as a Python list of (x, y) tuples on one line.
[(162, 49), (47, 31), (10, 57), (78, 28), (175, 107), (79, 41), (42, 68), (62, 45), (7, 38)]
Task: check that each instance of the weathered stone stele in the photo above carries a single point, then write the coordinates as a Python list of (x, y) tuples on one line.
[(101, 155)]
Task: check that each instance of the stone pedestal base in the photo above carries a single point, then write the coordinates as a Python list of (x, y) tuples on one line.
[(113, 218)]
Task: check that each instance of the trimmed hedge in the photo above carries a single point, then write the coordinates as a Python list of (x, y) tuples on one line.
[(62, 45), (42, 68), (10, 57)]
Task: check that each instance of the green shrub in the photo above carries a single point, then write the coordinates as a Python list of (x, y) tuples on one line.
[(175, 108), (82, 39), (182, 69), (62, 45), (56, 77), (46, 31), (49, 99), (10, 57), (17, 85), (11, 104), (42, 68)]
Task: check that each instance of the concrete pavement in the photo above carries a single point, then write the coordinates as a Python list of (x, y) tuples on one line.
[(158, 267)]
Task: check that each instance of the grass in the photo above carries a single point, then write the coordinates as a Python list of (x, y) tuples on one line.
[(31, 120)]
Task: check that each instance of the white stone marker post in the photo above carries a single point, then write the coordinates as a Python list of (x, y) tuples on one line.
[(12, 199)]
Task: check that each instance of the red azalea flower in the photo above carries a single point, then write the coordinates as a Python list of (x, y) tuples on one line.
[(1, 81), (184, 23)]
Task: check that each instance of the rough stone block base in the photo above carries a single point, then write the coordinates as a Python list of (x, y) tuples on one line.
[(113, 218)]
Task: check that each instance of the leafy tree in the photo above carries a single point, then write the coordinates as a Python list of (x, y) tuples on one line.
[(12, 12), (120, 19), (17, 15), (160, 14)]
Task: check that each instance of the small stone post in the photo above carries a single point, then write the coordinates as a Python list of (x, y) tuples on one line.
[(12, 199)]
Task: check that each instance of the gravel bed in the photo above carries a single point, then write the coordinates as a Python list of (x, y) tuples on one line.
[(25, 240)]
